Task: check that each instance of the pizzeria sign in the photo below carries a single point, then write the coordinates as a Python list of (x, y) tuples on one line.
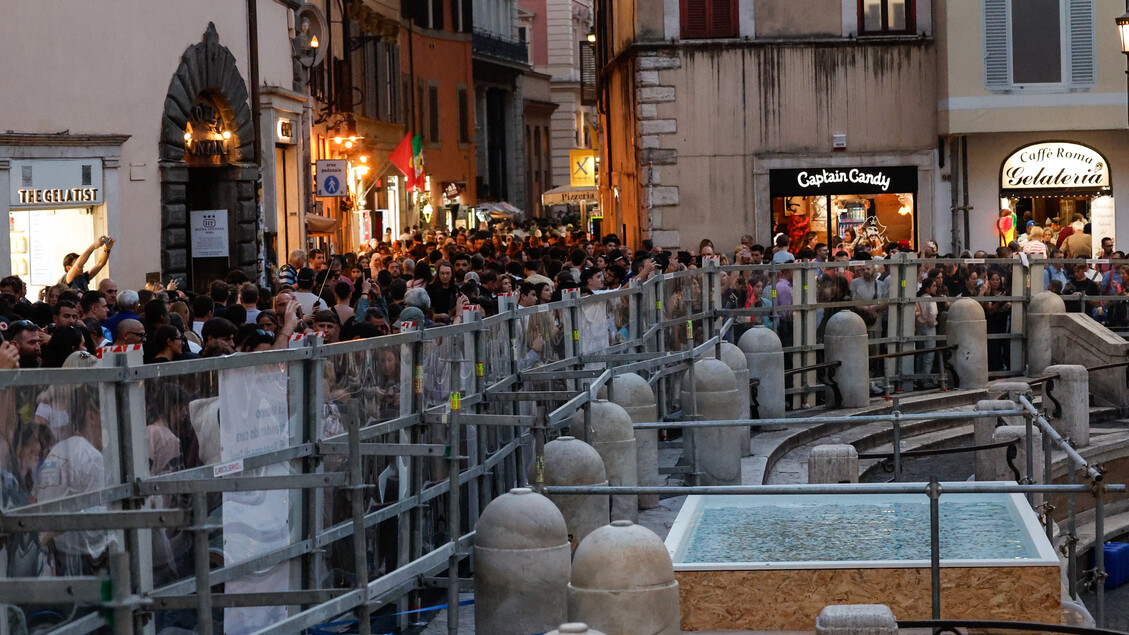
[(1055, 165)]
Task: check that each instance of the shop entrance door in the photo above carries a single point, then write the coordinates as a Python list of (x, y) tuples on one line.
[(40, 238)]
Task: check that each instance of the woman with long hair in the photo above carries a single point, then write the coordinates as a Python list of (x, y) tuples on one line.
[(755, 298), (64, 341), (421, 275), (167, 344)]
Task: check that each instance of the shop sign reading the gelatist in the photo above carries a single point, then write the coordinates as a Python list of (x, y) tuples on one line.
[(1055, 165)]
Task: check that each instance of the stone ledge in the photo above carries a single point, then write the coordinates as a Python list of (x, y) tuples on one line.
[(647, 111)]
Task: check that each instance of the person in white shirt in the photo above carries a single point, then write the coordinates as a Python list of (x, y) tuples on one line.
[(305, 295), (249, 298)]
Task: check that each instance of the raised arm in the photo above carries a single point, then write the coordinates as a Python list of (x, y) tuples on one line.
[(103, 258), (78, 265)]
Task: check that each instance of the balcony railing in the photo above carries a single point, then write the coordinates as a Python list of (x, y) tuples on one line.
[(493, 45)]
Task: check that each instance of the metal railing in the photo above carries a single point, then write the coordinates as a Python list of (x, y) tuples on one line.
[(895, 330)]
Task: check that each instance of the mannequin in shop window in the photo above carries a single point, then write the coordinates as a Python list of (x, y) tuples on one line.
[(75, 276)]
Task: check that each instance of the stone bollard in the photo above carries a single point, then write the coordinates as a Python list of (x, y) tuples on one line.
[(999, 470), (856, 619), (1040, 315), (967, 329), (845, 341), (983, 429), (636, 397), (623, 582), (1072, 390), (715, 451), (574, 628), (569, 461), (764, 358), (735, 360), (522, 562), (614, 438), (833, 464)]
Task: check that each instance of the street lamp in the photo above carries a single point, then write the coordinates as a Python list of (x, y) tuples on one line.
[(1123, 31)]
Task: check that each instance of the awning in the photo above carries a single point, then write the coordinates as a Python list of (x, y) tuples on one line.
[(500, 210), (566, 194), (316, 224)]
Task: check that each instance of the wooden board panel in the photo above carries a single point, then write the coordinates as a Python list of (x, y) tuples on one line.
[(792, 599)]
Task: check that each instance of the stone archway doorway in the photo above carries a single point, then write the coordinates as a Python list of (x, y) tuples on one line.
[(208, 177)]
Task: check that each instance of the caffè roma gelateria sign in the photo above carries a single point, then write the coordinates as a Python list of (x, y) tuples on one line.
[(1055, 165)]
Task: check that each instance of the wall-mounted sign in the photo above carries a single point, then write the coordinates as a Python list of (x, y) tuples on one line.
[(582, 168), (331, 177), (207, 135), (1055, 165), (452, 190), (859, 180), (1103, 221), (56, 183), (284, 130), (209, 233)]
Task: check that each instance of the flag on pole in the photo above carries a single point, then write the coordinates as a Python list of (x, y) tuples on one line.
[(419, 173), (408, 158), (401, 157)]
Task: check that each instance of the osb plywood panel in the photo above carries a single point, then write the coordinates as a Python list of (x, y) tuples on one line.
[(792, 599)]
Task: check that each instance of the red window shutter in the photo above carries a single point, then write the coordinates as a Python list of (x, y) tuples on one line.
[(723, 18), (695, 19)]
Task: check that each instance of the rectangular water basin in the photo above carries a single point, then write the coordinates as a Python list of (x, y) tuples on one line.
[(774, 562)]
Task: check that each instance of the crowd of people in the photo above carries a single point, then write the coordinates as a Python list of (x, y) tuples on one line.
[(51, 439)]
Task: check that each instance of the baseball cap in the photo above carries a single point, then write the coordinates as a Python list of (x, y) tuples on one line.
[(306, 275)]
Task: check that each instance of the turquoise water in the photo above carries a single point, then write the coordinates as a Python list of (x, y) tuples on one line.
[(799, 532)]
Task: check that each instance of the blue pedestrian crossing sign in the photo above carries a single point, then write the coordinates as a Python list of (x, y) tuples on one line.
[(331, 177)]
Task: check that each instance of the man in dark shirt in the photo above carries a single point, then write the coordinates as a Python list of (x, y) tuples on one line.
[(1079, 286)]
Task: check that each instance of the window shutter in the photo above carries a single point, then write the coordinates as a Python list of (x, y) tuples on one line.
[(695, 21), (996, 71), (1081, 34), (723, 18)]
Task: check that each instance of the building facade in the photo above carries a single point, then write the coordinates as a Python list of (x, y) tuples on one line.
[(162, 142), (1032, 110), (761, 117), (501, 60)]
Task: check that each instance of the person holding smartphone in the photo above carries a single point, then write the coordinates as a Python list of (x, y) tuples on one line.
[(75, 276)]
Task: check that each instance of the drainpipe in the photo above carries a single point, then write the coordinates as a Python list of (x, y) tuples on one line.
[(954, 178), (964, 184), (256, 121)]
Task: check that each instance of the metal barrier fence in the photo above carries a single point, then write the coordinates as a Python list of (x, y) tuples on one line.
[(308, 483), (800, 323), (314, 482)]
